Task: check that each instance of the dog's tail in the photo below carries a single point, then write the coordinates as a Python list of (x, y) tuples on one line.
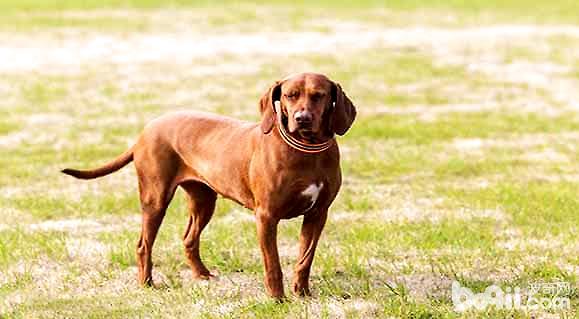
[(106, 169)]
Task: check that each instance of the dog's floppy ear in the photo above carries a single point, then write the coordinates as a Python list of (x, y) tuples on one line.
[(267, 108), (343, 113)]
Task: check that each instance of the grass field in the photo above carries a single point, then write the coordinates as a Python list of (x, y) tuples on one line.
[(462, 165)]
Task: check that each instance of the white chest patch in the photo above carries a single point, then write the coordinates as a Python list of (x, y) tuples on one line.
[(313, 191)]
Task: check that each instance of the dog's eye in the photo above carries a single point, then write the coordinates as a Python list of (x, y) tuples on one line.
[(316, 96), (292, 95)]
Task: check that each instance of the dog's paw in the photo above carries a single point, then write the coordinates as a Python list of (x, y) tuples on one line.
[(281, 299), (300, 290), (204, 276)]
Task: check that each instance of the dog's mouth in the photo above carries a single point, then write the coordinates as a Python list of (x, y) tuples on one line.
[(306, 133), (306, 127)]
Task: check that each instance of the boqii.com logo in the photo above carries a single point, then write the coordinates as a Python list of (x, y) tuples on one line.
[(539, 296)]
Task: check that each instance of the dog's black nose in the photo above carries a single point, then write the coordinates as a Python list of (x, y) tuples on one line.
[(303, 118)]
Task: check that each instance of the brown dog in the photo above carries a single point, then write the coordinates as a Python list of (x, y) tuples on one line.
[(279, 173)]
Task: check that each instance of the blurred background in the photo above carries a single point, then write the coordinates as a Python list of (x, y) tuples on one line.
[(461, 166)]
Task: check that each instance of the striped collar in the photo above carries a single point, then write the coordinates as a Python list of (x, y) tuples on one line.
[(302, 146)]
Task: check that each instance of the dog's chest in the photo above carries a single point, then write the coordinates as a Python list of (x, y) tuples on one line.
[(311, 193), (302, 198)]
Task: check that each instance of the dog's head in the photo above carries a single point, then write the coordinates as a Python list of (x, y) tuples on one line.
[(309, 104)]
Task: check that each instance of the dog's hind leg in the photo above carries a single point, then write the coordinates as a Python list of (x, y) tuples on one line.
[(201, 200), (156, 189)]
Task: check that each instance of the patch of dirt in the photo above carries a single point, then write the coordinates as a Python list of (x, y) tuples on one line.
[(514, 240), (12, 217), (46, 276), (547, 155), (69, 51), (86, 226), (233, 285), (523, 141), (237, 216), (417, 210), (428, 113), (67, 225), (88, 250), (425, 286), (344, 309)]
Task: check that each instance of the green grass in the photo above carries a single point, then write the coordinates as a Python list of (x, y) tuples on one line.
[(562, 9), (38, 15), (20, 244), (472, 125), (539, 208), (450, 172)]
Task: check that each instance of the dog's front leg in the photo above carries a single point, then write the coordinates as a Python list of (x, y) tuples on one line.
[(267, 236), (312, 227)]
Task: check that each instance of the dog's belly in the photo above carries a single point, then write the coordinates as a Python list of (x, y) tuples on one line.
[(225, 177), (229, 183), (216, 151)]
